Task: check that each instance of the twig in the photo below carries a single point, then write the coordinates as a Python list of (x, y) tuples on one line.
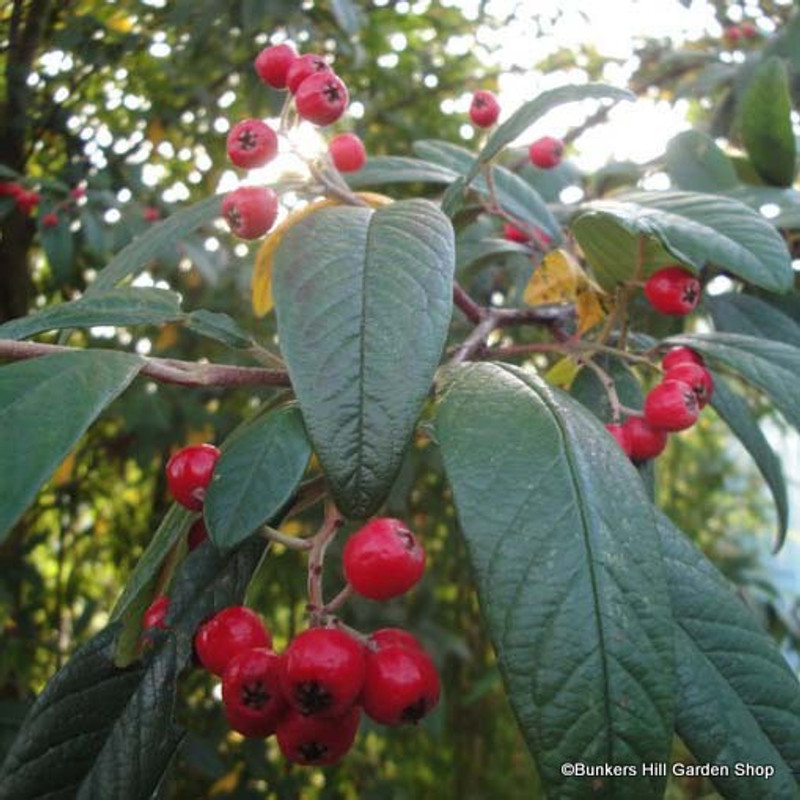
[(608, 384), (164, 370), (316, 560), (475, 341), (472, 311), (334, 605), (310, 493), (292, 542)]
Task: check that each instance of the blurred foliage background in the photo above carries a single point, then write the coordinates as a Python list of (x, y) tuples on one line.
[(131, 101)]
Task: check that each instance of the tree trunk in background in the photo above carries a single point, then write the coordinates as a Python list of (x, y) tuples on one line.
[(26, 25)]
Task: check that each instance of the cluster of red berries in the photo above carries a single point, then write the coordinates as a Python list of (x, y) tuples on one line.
[(735, 33), (321, 97), (26, 200), (484, 110), (673, 405), (311, 695)]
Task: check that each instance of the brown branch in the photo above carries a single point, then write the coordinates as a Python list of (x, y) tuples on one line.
[(164, 370), (472, 311)]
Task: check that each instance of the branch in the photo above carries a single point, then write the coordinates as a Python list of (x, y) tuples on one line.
[(164, 370), (472, 311)]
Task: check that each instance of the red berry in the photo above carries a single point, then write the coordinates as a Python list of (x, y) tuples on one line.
[(254, 703), (229, 632), (513, 234), (302, 68), (151, 214), (673, 291), (401, 685), (394, 637), (50, 220), (78, 192), (749, 31), (383, 559), (347, 152), (733, 34), (156, 613), (620, 433), (671, 406), (272, 64), (250, 211), (681, 355), (323, 671), (321, 98), (546, 152), (317, 741), (484, 109), (252, 143), (189, 473), (699, 378), (10, 189), (198, 533), (645, 441), (27, 201)]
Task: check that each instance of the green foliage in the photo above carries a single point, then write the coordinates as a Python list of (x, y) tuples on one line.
[(725, 714), (583, 593), (259, 468), (383, 279), (694, 229), (45, 407), (766, 125), (127, 713), (576, 604), (117, 307)]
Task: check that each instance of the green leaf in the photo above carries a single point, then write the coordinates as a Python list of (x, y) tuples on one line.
[(59, 248), (735, 411), (470, 251), (588, 389), (531, 111), (734, 312), (515, 195), (570, 579), (46, 404), (380, 170), (101, 731), (738, 701), (94, 233), (363, 301), (765, 121), (141, 586), (773, 367), (144, 248), (117, 307), (256, 475), (696, 164), (694, 229), (220, 327), (347, 15)]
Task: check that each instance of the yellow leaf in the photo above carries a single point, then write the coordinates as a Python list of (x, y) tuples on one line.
[(560, 279), (589, 309), (64, 471), (167, 338), (120, 22), (226, 784), (554, 281), (563, 372), (262, 268), (155, 131)]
